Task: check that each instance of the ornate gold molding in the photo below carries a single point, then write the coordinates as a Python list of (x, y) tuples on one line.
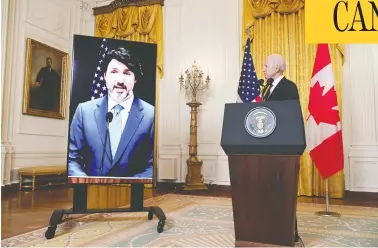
[(124, 3), (263, 8)]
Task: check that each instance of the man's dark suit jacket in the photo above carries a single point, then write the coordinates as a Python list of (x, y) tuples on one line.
[(285, 90), (135, 154), (50, 87)]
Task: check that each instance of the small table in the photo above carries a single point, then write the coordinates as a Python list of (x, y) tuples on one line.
[(45, 172)]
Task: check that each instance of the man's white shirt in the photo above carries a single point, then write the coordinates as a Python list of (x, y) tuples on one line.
[(275, 82)]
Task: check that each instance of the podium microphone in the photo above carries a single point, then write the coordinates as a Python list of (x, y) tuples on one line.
[(267, 85), (108, 119)]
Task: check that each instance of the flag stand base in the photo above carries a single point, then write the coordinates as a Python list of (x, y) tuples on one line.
[(327, 213)]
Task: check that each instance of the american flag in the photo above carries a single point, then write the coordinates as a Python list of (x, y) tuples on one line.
[(99, 85), (249, 89)]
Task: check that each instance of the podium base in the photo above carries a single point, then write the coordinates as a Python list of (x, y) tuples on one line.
[(264, 199), (239, 243), (188, 187), (327, 213)]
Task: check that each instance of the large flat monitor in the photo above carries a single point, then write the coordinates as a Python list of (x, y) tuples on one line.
[(111, 137)]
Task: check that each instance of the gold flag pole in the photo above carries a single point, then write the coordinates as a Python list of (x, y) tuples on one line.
[(327, 212)]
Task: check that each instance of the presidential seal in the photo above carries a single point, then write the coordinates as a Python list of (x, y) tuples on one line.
[(260, 122)]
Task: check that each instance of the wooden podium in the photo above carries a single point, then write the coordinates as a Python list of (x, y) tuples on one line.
[(264, 170)]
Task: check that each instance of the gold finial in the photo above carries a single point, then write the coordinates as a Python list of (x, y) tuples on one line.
[(249, 29), (248, 32)]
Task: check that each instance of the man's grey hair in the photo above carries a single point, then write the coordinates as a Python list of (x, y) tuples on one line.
[(277, 59)]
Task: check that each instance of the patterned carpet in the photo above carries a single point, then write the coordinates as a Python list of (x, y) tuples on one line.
[(198, 221)]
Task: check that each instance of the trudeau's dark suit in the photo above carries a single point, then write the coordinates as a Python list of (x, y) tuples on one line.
[(285, 90), (135, 152)]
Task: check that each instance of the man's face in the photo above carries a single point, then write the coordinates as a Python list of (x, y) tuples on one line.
[(48, 62), (119, 80), (270, 68)]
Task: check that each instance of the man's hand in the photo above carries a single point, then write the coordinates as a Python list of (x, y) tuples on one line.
[(37, 84)]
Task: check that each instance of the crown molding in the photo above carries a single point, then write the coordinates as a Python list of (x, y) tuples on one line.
[(124, 3)]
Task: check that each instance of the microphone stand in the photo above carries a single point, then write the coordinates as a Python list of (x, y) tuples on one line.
[(103, 151), (264, 91)]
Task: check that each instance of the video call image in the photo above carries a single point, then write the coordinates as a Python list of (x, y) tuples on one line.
[(112, 109)]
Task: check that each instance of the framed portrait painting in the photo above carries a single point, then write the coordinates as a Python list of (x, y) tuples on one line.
[(46, 77)]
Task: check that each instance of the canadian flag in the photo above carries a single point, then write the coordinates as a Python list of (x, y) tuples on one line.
[(323, 127)]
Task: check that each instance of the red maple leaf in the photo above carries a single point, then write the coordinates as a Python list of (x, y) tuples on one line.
[(321, 106)]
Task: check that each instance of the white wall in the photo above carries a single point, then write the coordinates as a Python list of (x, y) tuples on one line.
[(193, 30), (4, 28), (28, 140), (360, 118)]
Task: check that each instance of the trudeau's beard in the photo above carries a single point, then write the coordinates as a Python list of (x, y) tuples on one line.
[(120, 96)]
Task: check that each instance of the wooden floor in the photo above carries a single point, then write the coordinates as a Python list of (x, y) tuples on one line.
[(29, 211), (26, 211)]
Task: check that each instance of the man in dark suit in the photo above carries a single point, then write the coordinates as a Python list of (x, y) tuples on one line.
[(48, 83), (279, 88), (130, 143)]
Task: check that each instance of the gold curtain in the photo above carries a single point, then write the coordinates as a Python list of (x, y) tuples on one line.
[(278, 27), (134, 23)]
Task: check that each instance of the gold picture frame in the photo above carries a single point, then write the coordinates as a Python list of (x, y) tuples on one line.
[(46, 78)]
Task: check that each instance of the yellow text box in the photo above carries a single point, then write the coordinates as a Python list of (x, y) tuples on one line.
[(347, 21)]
